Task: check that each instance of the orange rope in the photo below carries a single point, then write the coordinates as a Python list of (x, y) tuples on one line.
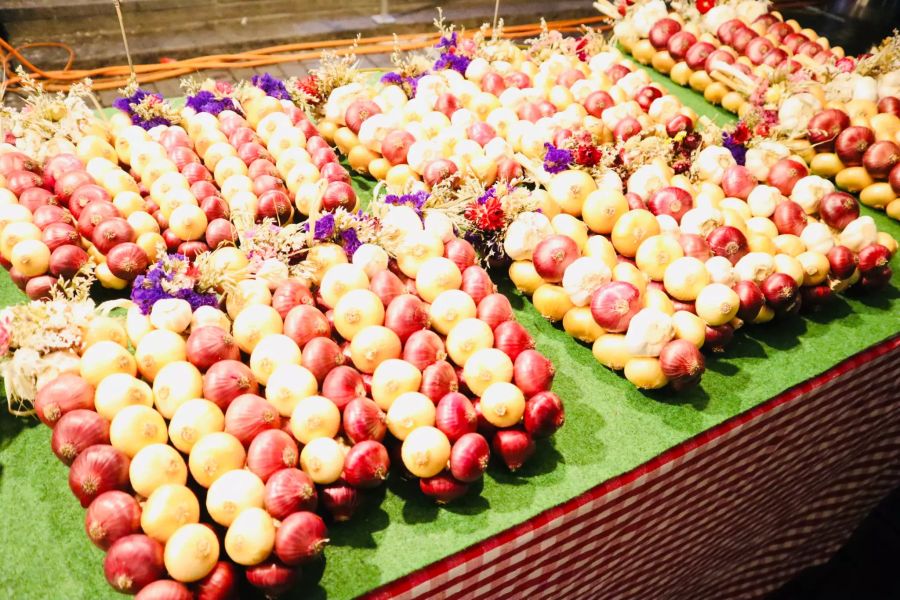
[(113, 77)]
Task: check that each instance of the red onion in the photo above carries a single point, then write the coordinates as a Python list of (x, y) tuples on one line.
[(469, 457), (679, 44), (477, 283), (851, 144), (35, 198), (67, 260), (423, 348), (340, 500), (789, 218), (272, 577), (662, 30), (359, 111), (825, 126), (738, 182), (842, 261), (241, 136), (127, 261), (343, 384), (134, 562), (64, 394), (66, 184), (338, 194), (386, 286), (752, 299), (729, 242), (837, 209), (19, 181), (455, 416), (215, 207), (59, 234), (76, 431), (249, 415), (646, 95), (98, 469), (203, 188), (251, 151), (38, 288), (813, 297), (460, 252), (17, 278), (275, 205), (11, 162), (112, 515), (438, 380), (208, 345), (889, 104), (671, 201), (405, 315), (785, 173), (271, 451), (532, 372), (682, 363), (172, 240), (195, 172), (614, 304), (289, 491), (717, 338), (553, 255), (321, 355), (165, 589), (677, 124), (495, 309), (694, 245), (512, 338), (877, 279), (289, 294), (192, 249), (873, 257), (220, 232), (366, 465), (300, 538), (364, 420), (878, 159), (544, 414), (697, 54), (513, 446), (305, 322), (220, 584), (110, 232), (443, 487), (227, 379), (780, 291), (95, 213), (44, 216), (485, 428)]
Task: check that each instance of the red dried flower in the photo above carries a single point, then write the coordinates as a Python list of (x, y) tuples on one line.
[(309, 85), (741, 133), (704, 6), (587, 156), (488, 216)]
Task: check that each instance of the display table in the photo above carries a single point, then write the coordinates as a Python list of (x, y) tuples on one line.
[(723, 491)]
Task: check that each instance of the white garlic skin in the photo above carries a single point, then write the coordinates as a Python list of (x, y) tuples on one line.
[(648, 331), (582, 278), (173, 314)]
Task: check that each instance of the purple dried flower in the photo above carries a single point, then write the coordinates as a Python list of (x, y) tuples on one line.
[(737, 149), (447, 42), (127, 105), (416, 201), (392, 78), (324, 227), (272, 86), (350, 241), (206, 101), (449, 60), (556, 159)]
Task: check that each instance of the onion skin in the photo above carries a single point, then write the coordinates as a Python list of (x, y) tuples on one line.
[(682, 363), (544, 414), (76, 431), (99, 468), (289, 491), (112, 515), (220, 584), (443, 487), (272, 577), (366, 465), (340, 500), (134, 562), (364, 420), (301, 538), (512, 338), (271, 451), (513, 446), (64, 394)]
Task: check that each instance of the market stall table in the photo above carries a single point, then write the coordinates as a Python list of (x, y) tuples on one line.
[(722, 491)]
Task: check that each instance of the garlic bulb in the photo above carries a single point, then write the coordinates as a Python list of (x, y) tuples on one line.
[(647, 14), (173, 314), (889, 84), (797, 110), (717, 15), (421, 153), (865, 88), (439, 224), (612, 115), (374, 129), (633, 82), (340, 98), (497, 148), (429, 88), (647, 180), (390, 98), (609, 180), (570, 118), (668, 224), (755, 266), (477, 69), (583, 88), (664, 108), (512, 98), (626, 31), (583, 277), (712, 162), (763, 200), (403, 217), (721, 271), (462, 119), (525, 233), (602, 61), (701, 221), (859, 233), (817, 237), (648, 331), (809, 191), (273, 272), (750, 10), (209, 315), (137, 325), (760, 158), (370, 258)]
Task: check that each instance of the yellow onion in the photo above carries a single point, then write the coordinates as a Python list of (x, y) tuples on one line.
[(425, 452), (340, 279), (485, 367), (193, 420), (135, 427), (602, 208), (175, 384), (155, 465), (717, 304), (502, 404), (690, 327), (254, 323), (356, 310), (323, 460), (393, 378), (449, 308), (157, 349), (315, 417), (524, 276), (580, 324), (685, 277), (656, 253), (272, 352), (552, 301), (435, 276), (288, 384), (409, 411), (119, 390), (631, 229), (789, 265), (169, 507), (415, 249), (645, 373), (191, 553), (231, 493), (105, 358), (251, 537), (213, 455), (467, 337)]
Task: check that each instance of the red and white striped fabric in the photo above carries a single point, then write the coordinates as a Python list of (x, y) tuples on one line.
[(731, 513)]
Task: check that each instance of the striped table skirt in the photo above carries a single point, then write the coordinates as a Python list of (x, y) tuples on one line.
[(732, 513)]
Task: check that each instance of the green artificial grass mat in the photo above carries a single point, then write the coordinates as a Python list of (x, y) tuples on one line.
[(611, 428)]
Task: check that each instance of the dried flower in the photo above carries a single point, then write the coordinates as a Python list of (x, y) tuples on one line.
[(324, 227), (415, 200), (146, 109), (272, 86), (208, 102), (556, 159), (173, 276)]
